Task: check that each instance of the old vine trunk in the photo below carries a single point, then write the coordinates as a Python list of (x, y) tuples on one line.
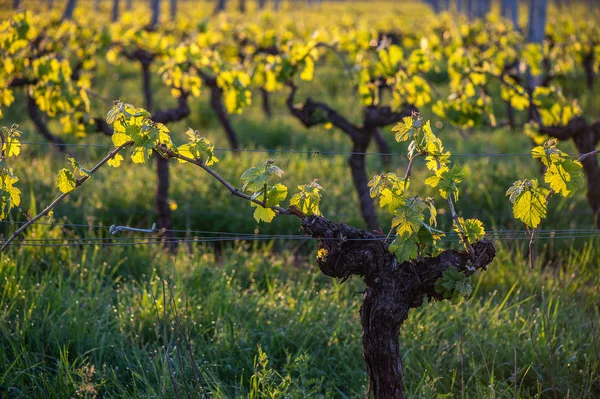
[(392, 289)]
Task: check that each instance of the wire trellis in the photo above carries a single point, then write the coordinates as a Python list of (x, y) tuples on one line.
[(207, 236), (291, 151), (109, 243)]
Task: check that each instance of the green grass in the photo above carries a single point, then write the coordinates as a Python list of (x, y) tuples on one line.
[(62, 310), (262, 320)]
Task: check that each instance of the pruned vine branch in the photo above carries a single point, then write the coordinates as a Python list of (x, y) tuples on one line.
[(61, 197)]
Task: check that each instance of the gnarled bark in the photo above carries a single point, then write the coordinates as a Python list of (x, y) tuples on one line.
[(392, 290)]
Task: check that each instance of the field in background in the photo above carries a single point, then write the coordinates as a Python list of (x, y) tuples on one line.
[(257, 317)]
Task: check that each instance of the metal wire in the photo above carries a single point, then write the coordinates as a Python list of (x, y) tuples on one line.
[(244, 235), (85, 242), (306, 152)]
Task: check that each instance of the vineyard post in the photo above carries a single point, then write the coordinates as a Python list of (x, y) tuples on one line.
[(220, 7), (70, 7), (510, 11), (155, 13), (536, 29), (115, 11), (173, 9)]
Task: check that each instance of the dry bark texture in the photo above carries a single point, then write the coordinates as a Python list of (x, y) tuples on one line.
[(392, 290)]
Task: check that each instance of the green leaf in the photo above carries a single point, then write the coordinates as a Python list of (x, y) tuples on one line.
[(140, 154), (307, 200), (548, 153), (529, 202), (276, 194), (309, 69), (389, 189), (565, 177), (263, 214), (12, 147), (119, 139), (472, 228), (77, 168), (198, 148), (115, 161), (65, 181), (257, 176), (405, 248), (405, 130), (453, 285), (409, 218), (447, 181), (463, 288)]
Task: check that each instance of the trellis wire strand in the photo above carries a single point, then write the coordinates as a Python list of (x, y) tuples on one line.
[(233, 239), (290, 151), (540, 232)]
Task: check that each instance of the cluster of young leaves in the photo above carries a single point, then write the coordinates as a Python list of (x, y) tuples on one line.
[(564, 176), (554, 110), (236, 90), (569, 42), (10, 195), (53, 62), (198, 148), (415, 234), (66, 181), (134, 127), (178, 71), (388, 66), (307, 200), (293, 59), (265, 72), (468, 103), (131, 34), (197, 59), (260, 181), (15, 36), (453, 285)]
